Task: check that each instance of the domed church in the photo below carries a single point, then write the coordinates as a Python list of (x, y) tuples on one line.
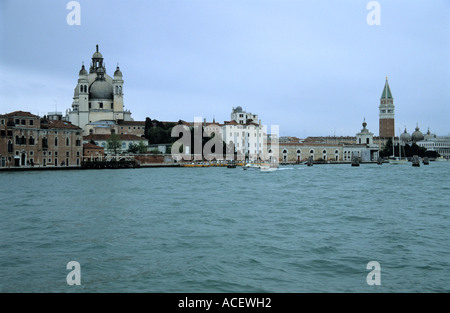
[(98, 97)]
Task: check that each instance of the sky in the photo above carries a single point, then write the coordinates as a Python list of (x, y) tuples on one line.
[(315, 68)]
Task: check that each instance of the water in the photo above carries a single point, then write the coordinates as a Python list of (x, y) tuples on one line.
[(299, 229)]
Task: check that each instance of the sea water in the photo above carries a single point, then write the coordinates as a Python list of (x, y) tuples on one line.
[(298, 229)]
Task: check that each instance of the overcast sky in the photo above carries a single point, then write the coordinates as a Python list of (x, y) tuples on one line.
[(312, 67)]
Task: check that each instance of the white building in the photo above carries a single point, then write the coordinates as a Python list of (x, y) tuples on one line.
[(246, 133), (97, 96), (440, 144)]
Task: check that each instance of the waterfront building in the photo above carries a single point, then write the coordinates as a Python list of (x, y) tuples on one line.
[(93, 152), (26, 140), (101, 140), (328, 149), (98, 97), (246, 133), (440, 144)]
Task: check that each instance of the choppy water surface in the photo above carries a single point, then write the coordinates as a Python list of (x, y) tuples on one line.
[(299, 229)]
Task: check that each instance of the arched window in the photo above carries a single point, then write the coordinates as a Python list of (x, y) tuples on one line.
[(324, 151), (311, 151), (44, 143), (284, 151), (31, 141), (298, 152), (67, 141), (10, 146), (17, 140)]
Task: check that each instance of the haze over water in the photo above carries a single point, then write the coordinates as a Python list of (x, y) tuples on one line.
[(299, 229)]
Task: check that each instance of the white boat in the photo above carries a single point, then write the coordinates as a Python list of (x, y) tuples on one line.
[(251, 166), (397, 160), (441, 159), (268, 167)]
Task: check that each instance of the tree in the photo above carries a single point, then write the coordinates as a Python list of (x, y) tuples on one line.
[(133, 148), (114, 143), (148, 126), (141, 147)]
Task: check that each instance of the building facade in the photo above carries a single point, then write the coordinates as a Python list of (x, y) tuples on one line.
[(246, 133), (26, 140)]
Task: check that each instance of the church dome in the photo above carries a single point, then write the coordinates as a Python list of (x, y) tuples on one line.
[(417, 135), (118, 72), (83, 71), (101, 89), (97, 55), (405, 136), (238, 109)]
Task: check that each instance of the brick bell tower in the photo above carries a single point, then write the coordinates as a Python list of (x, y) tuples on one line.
[(387, 122)]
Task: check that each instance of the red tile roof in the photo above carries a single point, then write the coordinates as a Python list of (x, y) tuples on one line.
[(59, 124), (20, 114)]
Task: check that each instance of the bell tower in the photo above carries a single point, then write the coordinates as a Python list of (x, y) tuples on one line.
[(387, 114)]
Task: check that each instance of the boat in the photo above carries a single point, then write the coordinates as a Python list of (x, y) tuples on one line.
[(441, 159), (425, 161), (397, 160), (251, 166), (269, 167), (196, 164), (355, 161), (416, 161)]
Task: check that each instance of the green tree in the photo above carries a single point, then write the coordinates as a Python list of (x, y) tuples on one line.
[(133, 148), (141, 147), (114, 143)]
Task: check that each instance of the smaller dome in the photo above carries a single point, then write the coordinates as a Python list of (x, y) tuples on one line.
[(405, 136), (417, 135), (118, 72), (83, 71), (238, 109), (97, 54)]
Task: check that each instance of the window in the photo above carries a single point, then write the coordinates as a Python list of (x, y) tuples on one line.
[(16, 121), (67, 141), (31, 122), (56, 153), (90, 105), (67, 153), (44, 143), (31, 141), (9, 133), (112, 105), (56, 141), (10, 146), (78, 143), (2, 122), (2, 133), (100, 105)]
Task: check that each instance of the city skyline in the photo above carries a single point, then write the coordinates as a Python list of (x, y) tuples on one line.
[(313, 69)]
